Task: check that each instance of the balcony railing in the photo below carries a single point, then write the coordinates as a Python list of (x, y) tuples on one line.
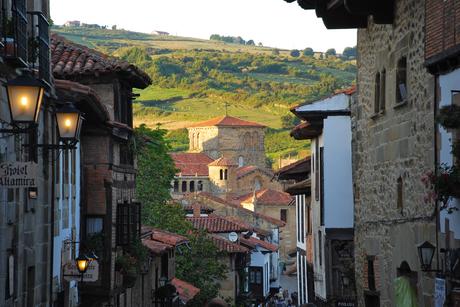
[(39, 48), (15, 31), (24, 38)]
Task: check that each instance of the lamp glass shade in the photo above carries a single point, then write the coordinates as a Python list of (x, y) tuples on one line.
[(163, 281), (82, 264), (24, 102), (426, 252), (68, 120)]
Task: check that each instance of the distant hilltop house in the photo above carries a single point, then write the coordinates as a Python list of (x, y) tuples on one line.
[(72, 23), (162, 33)]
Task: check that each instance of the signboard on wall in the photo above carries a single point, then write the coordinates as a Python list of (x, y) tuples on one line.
[(345, 303), (18, 175), (71, 272)]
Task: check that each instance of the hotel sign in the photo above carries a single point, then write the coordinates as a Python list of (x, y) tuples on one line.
[(18, 175), (71, 272)]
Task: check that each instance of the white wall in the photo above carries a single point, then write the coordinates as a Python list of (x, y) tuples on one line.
[(447, 83), (259, 259), (333, 103), (338, 186), (65, 234)]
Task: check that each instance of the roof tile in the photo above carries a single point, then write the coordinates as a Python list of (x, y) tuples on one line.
[(191, 164), (229, 121), (215, 224), (185, 290)]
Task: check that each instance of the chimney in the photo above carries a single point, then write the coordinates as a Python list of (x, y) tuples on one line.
[(196, 210)]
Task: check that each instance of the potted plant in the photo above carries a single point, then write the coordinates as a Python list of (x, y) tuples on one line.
[(442, 186)]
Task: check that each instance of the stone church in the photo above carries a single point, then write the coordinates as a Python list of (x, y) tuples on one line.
[(226, 158)]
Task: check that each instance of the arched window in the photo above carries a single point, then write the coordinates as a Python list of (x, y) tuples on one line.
[(221, 174), (176, 186), (184, 186), (226, 174), (383, 76), (246, 140), (192, 186), (257, 184), (255, 140), (197, 141), (192, 141), (200, 185), (240, 161)]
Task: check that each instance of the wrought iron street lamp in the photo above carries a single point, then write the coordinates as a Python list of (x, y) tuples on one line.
[(82, 263), (426, 252), (25, 96), (69, 120)]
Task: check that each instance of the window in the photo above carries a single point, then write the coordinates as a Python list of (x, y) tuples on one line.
[(400, 190), (200, 185), (128, 222), (226, 174), (257, 184), (401, 80), (126, 156), (164, 265), (382, 89), (221, 172), (283, 215), (320, 248), (309, 223), (377, 93), (94, 225), (240, 161), (197, 141), (370, 273), (184, 186), (192, 186), (176, 186)]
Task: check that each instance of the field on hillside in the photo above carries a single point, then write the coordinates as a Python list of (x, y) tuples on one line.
[(196, 79)]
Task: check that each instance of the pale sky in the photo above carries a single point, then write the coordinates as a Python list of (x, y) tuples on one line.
[(275, 23)]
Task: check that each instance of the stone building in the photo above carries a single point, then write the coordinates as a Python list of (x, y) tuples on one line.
[(110, 215), (226, 158), (236, 139), (392, 126)]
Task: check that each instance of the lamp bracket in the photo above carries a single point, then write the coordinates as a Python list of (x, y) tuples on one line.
[(70, 145)]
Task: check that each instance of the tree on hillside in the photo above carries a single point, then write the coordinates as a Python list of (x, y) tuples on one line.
[(260, 44), (349, 52), (289, 120), (250, 43), (308, 52), (331, 52), (295, 53), (275, 52), (135, 55)]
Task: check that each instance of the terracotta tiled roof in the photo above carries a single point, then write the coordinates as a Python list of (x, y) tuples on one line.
[(215, 224), (168, 237), (348, 91), (227, 246), (156, 247), (69, 60), (238, 207), (185, 290), (307, 130), (229, 121), (268, 197), (302, 165), (222, 161), (253, 242), (191, 164), (242, 223)]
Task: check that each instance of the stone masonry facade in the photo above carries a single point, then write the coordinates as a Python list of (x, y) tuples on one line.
[(231, 142), (392, 149)]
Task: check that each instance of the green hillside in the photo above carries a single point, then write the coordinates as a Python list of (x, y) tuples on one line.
[(196, 79)]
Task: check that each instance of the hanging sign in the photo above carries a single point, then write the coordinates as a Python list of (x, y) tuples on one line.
[(71, 272), (18, 175)]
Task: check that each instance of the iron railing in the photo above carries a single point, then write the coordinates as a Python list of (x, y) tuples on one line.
[(16, 45), (39, 46)]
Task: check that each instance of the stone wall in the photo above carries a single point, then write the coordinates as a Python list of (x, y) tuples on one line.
[(246, 184), (396, 143), (231, 142)]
